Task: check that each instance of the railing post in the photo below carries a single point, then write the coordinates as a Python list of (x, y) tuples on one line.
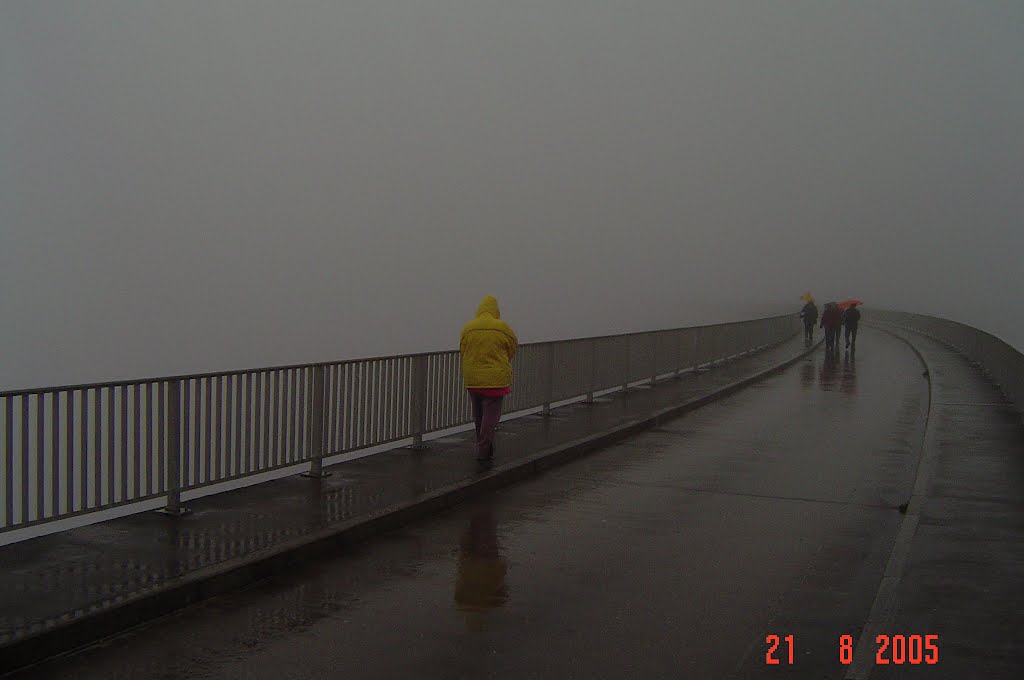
[(316, 427), (654, 358), (593, 373), (418, 401), (697, 333), (174, 451), (679, 353), (625, 379), (549, 379)]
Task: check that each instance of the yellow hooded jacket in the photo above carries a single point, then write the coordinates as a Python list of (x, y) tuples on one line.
[(487, 345)]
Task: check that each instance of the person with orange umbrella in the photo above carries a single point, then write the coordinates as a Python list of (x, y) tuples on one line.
[(851, 319)]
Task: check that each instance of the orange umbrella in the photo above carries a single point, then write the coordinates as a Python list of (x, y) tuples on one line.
[(849, 303)]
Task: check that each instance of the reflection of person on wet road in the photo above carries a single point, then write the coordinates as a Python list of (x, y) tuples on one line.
[(848, 381), (480, 584), (831, 319), (851, 318), (487, 345), (807, 373), (828, 377), (810, 316)]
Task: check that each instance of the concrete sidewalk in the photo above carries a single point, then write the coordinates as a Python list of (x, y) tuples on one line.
[(68, 589), (957, 569)]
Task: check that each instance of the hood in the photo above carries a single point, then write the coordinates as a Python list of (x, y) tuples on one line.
[(489, 305)]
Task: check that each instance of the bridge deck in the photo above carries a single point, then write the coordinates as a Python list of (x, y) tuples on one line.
[(673, 553)]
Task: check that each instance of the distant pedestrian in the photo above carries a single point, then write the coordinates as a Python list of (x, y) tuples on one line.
[(810, 316), (487, 346), (851, 319), (831, 321)]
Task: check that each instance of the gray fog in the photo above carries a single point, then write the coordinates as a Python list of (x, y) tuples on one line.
[(198, 185)]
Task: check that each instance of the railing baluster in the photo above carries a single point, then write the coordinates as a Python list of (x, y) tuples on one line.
[(248, 424), (69, 452), (233, 416), (345, 406), (111, 458), (40, 456), (124, 444), (265, 379), (136, 442), (191, 446), (162, 446), (218, 416), (207, 473), (150, 441), (276, 419), (25, 439), (300, 406), (55, 454), (97, 451), (9, 462)]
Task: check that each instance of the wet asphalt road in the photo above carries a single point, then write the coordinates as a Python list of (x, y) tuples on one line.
[(670, 555)]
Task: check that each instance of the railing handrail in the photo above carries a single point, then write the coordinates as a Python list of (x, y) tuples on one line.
[(340, 362), (1003, 362), (961, 324)]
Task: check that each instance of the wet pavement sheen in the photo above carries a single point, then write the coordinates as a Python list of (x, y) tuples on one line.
[(672, 554)]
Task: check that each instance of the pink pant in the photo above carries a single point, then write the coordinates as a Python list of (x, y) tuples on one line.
[(486, 414)]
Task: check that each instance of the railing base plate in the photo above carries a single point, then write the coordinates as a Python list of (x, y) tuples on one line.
[(173, 513)]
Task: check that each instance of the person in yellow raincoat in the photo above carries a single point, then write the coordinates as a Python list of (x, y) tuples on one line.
[(487, 345)]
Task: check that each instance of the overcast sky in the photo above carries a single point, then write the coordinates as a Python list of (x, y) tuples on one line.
[(192, 185)]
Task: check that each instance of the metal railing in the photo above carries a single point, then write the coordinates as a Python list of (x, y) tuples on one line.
[(1003, 364), (84, 448)]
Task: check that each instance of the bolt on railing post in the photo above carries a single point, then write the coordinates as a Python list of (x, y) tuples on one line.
[(174, 450), (316, 427), (549, 378), (418, 401)]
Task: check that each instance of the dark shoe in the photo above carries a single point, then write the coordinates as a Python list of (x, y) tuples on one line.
[(486, 456)]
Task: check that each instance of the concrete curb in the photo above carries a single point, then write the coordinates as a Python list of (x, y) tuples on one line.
[(884, 606), (923, 473), (241, 571)]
